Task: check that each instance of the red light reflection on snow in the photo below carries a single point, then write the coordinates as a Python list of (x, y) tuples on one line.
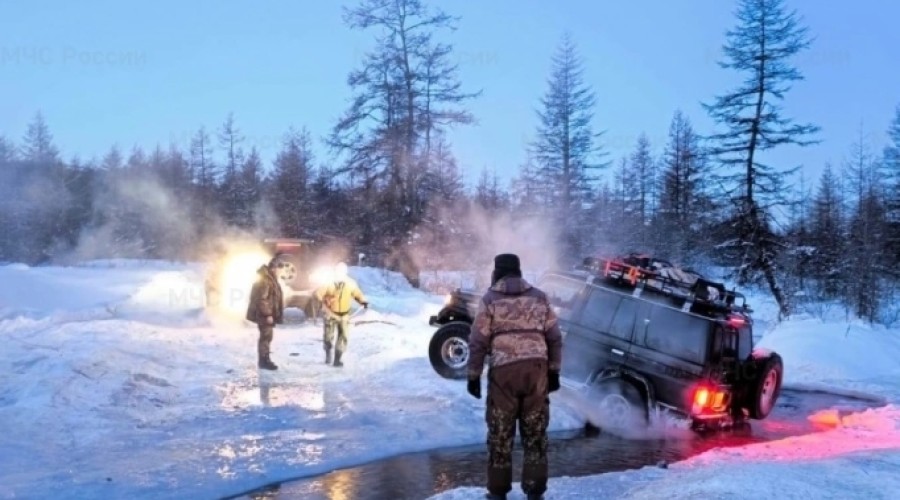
[(841, 434)]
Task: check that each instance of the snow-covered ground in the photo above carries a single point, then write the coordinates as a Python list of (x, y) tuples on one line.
[(118, 384), (115, 382)]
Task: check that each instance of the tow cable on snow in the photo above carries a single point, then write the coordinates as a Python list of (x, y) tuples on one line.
[(369, 321)]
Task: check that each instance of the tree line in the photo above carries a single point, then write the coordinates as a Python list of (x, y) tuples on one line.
[(395, 190)]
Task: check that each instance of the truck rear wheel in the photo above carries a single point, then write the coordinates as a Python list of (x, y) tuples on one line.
[(766, 387), (619, 405)]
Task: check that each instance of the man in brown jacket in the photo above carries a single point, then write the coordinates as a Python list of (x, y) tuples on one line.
[(517, 327), (266, 309)]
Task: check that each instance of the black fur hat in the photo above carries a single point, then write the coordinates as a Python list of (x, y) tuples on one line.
[(506, 264)]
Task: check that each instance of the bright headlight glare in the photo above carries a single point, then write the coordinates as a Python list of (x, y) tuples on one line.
[(237, 278), (321, 275)]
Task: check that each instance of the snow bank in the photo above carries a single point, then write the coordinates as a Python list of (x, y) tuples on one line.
[(843, 357)]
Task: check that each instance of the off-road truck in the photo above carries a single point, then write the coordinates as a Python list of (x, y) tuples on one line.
[(639, 338), (296, 263)]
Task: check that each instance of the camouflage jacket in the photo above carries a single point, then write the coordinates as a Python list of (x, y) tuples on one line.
[(266, 298), (514, 323)]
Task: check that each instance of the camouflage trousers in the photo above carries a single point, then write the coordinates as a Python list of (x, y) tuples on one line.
[(517, 394), (263, 345), (336, 324)]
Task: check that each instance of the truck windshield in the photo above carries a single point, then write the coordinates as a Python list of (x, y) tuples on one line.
[(563, 294)]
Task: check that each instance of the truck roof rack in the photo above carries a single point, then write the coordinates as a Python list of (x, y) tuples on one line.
[(684, 288)]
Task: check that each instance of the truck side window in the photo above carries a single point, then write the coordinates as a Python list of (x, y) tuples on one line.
[(562, 294), (683, 335), (599, 310), (623, 322), (745, 343)]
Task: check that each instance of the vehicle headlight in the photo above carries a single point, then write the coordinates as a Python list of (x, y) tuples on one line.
[(321, 275), (237, 278), (448, 299)]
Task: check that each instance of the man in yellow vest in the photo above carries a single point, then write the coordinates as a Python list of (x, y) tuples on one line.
[(335, 299)]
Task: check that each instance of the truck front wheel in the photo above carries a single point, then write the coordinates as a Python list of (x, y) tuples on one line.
[(449, 350)]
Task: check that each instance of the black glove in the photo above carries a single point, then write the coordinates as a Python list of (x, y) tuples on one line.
[(365, 305), (552, 381), (474, 387)]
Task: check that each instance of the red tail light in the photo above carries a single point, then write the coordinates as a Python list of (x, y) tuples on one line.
[(709, 399), (701, 397), (736, 321)]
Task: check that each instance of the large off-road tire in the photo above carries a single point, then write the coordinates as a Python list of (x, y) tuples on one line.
[(449, 350), (620, 405), (766, 387)]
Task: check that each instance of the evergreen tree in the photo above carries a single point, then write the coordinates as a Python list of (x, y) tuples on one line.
[(798, 253), (447, 182), (528, 195), (250, 189), (206, 174), (291, 180), (176, 173), (626, 204), (231, 198), (8, 178), (605, 218), (7, 152), (685, 208), (760, 47), (405, 94), (489, 194), (41, 198), (867, 235), (566, 149), (112, 160), (37, 145), (643, 175), (827, 235), (891, 161)]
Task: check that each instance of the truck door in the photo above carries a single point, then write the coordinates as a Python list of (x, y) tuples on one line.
[(601, 335)]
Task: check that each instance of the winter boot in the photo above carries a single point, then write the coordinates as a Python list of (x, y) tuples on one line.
[(494, 496), (337, 358), (266, 363), (327, 356)]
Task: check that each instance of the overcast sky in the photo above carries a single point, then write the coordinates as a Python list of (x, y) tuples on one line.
[(105, 72)]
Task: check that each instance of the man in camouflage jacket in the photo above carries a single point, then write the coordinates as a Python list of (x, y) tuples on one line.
[(516, 326), (266, 309)]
